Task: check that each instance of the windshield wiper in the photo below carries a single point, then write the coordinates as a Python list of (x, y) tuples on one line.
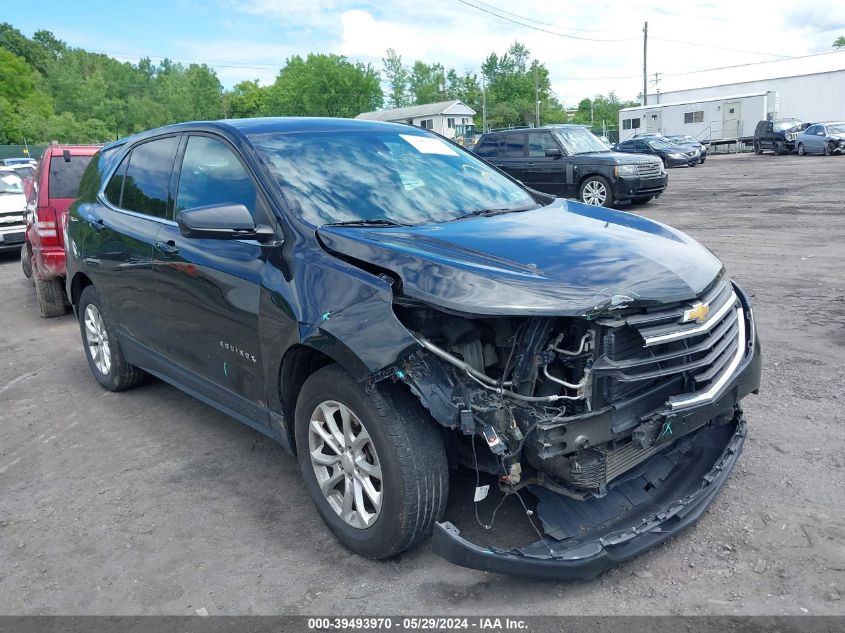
[(367, 222), (490, 212)]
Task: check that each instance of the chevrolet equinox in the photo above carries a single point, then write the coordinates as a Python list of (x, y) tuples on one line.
[(388, 307)]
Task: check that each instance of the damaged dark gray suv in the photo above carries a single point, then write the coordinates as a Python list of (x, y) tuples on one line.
[(388, 307)]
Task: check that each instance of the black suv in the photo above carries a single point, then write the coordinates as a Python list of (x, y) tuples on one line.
[(779, 135), (388, 306), (569, 161)]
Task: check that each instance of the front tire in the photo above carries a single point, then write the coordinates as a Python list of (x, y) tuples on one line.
[(801, 150), (102, 348), (596, 192), (373, 462), (50, 294), (776, 150), (827, 150)]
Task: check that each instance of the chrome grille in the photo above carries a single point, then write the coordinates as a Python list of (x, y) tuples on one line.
[(656, 345), (648, 169)]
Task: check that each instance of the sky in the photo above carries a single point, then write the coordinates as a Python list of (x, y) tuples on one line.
[(590, 47)]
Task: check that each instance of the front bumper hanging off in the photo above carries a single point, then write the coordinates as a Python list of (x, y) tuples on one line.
[(585, 538)]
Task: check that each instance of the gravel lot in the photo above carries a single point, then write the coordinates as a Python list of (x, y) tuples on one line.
[(151, 502)]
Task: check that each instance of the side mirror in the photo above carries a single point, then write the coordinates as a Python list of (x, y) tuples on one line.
[(222, 222), (553, 152)]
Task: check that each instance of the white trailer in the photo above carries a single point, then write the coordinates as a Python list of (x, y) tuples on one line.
[(714, 119)]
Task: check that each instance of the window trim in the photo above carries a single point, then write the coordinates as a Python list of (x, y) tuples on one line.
[(101, 195)]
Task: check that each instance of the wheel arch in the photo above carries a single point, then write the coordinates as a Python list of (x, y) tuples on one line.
[(79, 282), (298, 363)]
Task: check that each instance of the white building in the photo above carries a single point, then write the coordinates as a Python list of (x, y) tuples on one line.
[(810, 88), (451, 119)]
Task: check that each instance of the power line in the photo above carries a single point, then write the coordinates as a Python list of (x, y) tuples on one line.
[(537, 28), (718, 48), (498, 13), (516, 15)]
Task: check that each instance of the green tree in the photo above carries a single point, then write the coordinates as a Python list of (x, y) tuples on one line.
[(600, 110), (515, 83), (427, 83), (464, 87), (398, 80), (839, 42), (246, 99), (324, 85), (16, 77)]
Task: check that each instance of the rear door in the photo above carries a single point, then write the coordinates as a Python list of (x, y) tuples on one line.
[(211, 288), (120, 233), (510, 154)]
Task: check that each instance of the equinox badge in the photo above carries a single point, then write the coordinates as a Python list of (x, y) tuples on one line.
[(698, 312)]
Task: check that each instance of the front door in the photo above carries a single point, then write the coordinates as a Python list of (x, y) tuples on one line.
[(211, 288), (731, 117), (547, 173)]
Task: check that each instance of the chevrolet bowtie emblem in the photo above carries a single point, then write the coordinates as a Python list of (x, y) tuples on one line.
[(698, 312)]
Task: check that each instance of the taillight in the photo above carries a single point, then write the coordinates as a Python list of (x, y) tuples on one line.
[(47, 226)]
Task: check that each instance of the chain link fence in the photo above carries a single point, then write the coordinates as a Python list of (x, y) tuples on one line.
[(18, 151)]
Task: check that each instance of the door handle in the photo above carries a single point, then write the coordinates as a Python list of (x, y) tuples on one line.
[(529, 164), (97, 224), (168, 247)]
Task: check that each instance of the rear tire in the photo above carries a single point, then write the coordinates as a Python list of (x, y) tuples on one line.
[(388, 458), (596, 191), (50, 294), (757, 149), (26, 260), (102, 347)]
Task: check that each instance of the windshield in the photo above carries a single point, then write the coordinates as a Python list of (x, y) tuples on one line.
[(401, 177), (836, 129), (10, 183), (659, 143), (579, 140), (783, 126)]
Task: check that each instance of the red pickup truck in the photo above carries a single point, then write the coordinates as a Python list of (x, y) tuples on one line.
[(54, 187)]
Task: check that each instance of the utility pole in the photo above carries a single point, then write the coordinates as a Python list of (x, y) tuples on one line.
[(645, 64), (483, 105), (536, 98)]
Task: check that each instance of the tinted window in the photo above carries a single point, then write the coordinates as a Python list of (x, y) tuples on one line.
[(407, 177), (65, 176), (115, 186), (539, 142), (512, 146), (212, 174), (487, 148), (812, 129), (146, 185)]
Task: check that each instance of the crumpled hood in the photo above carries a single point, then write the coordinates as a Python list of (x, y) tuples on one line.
[(566, 259)]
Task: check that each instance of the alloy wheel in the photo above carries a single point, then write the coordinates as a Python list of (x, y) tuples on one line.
[(595, 193), (97, 339), (801, 150), (345, 463)]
